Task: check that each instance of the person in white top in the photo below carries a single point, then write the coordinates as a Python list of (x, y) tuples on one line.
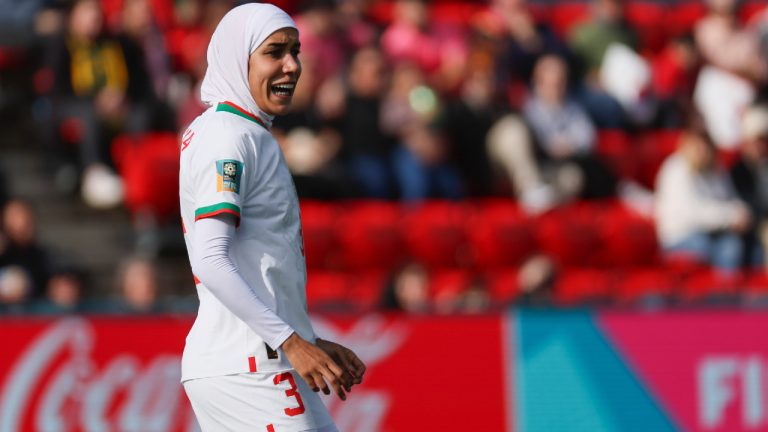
[(697, 210), (251, 356)]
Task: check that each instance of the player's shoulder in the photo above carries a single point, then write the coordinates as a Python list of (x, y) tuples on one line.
[(221, 129)]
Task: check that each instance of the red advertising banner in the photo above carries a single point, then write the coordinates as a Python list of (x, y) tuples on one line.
[(108, 373)]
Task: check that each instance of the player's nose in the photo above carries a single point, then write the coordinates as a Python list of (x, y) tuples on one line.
[(291, 65)]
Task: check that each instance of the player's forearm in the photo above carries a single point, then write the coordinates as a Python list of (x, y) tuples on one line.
[(212, 265)]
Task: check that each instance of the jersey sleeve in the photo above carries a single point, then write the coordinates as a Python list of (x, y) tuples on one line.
[(220, 178)]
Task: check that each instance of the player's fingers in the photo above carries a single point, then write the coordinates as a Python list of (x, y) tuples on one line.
[(347, 376), (311, 382), (358, 367), (321, 383), (333, 374)]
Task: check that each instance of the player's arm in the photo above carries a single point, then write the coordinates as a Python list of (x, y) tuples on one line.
[(212, 265), (214, 268)]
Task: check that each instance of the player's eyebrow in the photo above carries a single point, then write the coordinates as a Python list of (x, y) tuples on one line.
[(283, 44)]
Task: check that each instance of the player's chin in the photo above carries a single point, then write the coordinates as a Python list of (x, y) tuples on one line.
[(281, 106)]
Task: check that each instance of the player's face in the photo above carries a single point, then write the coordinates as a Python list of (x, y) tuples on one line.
[(273, 70)]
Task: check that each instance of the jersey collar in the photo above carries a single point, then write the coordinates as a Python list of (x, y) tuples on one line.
[(233, 108)]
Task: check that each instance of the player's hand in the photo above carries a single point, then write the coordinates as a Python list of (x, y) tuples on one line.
[(315, 366), (354, 368)]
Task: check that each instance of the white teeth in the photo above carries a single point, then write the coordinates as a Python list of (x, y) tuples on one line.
[(284, 89)]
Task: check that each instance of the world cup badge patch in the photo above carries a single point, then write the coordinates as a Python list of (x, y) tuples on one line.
[(228, 175)]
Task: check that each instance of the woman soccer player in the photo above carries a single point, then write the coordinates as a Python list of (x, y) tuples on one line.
[(251, 357)]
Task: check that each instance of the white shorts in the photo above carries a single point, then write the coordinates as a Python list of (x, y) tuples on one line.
[(259, 402)]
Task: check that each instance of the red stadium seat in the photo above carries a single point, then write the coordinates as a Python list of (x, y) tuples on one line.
[(367, 289), (541, 13), (756, 282), (318, 221), (629, 239), (635, 285), (681, 17), (569, 235), (565, 16), (369, 235), (652, 149), (500, 235), (149, 167), (709, 285), (648, 19), (452, 13), (750, 9), (435, 234), (504, 285), (446, 286), (583, 286), (327, 289), (614, 147)]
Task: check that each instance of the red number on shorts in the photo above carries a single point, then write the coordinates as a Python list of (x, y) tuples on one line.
[(293, 391)]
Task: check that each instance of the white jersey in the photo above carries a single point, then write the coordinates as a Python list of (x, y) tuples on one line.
[(230, 163)]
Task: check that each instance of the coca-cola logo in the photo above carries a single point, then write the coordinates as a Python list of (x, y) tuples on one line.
[(57, 384), (76, 394)]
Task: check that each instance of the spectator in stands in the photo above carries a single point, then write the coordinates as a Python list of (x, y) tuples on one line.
[(358, 30), (750, 177), (421, 162), (140, 29), (138, 286), (408, 290), (536, 280), (510, 150), (438, 50), (15, 289), (674, 74), (100, 89), (19, 247), (64, 294), (589, 42), (474, 299), (564, 135), (735, 67), (321, 39), (698, 213), (17, 21), (139, 25), (311, 136), (188, 47), (466, 121), (524, 41), (366, 148), (316, 137)]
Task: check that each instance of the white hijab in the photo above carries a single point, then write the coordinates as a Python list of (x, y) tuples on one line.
[(237, 36)]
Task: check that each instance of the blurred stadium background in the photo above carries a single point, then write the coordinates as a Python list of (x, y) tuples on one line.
[(525, 215)]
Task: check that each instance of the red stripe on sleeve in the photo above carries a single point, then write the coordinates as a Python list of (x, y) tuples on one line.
[(218, 212), (252, 364), (270, 428)]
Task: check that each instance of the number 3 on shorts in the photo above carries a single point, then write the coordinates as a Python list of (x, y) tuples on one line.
[(293, 391)]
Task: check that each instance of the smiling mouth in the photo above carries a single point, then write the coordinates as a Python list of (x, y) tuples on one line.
[(283, 90)]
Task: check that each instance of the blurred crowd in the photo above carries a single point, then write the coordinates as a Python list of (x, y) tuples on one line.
[(410, 101)]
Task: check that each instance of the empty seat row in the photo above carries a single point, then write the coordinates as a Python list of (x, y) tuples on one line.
[(484, 234)]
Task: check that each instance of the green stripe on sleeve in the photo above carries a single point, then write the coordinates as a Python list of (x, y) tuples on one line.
[(215, 209)]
